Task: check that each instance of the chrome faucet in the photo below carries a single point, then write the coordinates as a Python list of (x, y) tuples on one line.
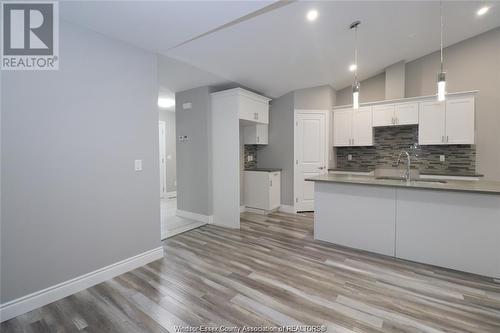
[(407, 175)]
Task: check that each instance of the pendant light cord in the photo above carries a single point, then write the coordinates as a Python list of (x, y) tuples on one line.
[(356, 54), (441, 15)]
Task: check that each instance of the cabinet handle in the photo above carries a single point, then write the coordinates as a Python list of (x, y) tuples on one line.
[(256, 116), (447, 139), (392, 120), (271, 183), (257, 139), (353, 142), (442, 139)]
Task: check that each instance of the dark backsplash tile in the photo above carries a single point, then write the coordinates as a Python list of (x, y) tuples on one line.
[(250, 150), (390, 141)]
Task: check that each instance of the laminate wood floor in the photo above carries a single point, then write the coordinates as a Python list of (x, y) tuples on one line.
[(272, 272)]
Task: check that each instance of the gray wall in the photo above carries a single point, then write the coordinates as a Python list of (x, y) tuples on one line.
[(194, 156), (279, 152), (72, 202), (372, 89), (170, 149), (315, 98), (470, 65), (473, 64)]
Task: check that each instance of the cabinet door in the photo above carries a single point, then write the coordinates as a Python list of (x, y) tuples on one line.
[(342, 123), (431, 118), (255, 135), (274, 190), (362, 129), (383, 115), (460, 121), (406, 114), (256, 189), (254, 110)]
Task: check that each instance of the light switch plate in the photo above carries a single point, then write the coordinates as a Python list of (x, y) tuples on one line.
[(441, 158), (349, 157), (138, 165)]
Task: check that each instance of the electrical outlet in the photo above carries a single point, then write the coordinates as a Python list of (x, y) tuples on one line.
[(349, 157), (249, 158), (441, 158)]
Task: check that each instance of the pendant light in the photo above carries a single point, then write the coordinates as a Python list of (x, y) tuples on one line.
[(355, 86), (441, 76)]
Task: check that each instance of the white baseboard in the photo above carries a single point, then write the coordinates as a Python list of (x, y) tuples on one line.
[(287, 209), (43, 297), (181, 229), (193, 216), (243, 209)]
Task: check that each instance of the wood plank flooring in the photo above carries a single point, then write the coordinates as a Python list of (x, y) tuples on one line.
[(270, 273)]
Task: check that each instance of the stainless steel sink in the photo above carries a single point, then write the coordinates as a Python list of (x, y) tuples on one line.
[(420, 180)]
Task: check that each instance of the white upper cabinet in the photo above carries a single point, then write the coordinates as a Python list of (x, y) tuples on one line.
[(383, 115), (406, 113), (362, 128), (449, 122), (352, 127), (395, 114), (250, 107), (255, 135), (253, 107), (342, 127), (460, 121), (432, 116)]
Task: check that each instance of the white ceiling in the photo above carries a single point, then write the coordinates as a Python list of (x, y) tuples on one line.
[(279, 51)]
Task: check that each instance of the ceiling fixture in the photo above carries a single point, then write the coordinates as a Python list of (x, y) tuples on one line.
[(312, 15), (353, 67), (441, 76), (355, 86), (483, 10), (165, 102)]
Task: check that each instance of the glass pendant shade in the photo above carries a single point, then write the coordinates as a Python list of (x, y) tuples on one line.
[(441, 86), (355, 95)]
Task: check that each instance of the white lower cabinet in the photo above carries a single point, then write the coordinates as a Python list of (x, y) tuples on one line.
[(255, 135), (262, 190)]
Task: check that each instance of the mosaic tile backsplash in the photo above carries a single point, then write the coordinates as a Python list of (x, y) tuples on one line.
[(250, 150), (390, 141)]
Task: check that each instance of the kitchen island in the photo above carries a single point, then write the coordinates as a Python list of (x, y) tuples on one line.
[(453, 224)]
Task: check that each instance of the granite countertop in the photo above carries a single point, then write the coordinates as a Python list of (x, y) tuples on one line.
[(264, 169), (352, 169), (479, 186), (424, 172)]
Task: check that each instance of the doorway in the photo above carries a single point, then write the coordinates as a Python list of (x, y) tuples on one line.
[(310, 154)]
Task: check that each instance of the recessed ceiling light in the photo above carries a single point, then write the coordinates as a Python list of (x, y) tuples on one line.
[(353, 67), (483, 10), (165, 102), (312, 15)]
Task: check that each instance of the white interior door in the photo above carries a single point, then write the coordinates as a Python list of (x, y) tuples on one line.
[(162, 145), (310, 156)]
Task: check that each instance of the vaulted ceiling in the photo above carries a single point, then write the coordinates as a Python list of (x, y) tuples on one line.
[(271, 47)]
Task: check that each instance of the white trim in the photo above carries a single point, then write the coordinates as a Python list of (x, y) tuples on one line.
[(51, 294), (328, 154), (193, 216), (162, 131), (287, 209), (171, 194), (181, 229), (407, 99), (243, 209)]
